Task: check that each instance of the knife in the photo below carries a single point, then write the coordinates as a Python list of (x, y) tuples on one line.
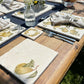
[(59, 36), (68, 38)]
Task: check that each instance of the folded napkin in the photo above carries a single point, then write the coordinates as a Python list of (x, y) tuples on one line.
[(4, 24), (64, 19)]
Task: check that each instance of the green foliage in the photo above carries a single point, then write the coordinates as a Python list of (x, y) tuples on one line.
[(72, 78), (28, 2), (1, 1)]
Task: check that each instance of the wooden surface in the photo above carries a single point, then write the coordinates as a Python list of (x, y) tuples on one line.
[(57, 69), (20, 0)]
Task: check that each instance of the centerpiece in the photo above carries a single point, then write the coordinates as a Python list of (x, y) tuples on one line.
[(29, 13), (32, 6), (38, 5)]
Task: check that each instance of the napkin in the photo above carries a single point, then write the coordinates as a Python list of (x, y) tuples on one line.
[(56, 19), (4, 24), (64, 19)]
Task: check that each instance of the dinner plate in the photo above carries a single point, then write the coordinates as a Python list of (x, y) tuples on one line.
[(26, 52)]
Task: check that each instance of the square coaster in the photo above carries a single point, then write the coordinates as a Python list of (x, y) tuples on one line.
[(32, 33)]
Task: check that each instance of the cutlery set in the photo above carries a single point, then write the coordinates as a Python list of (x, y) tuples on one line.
[(60, 36)]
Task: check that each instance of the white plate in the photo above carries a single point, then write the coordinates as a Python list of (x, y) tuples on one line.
[(23, 53), (32, 33), (21, 15), (63, 29)]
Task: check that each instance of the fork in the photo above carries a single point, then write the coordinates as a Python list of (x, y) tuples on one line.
[(61, 37)]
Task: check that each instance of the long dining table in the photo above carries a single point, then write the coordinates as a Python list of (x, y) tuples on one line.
[(55, 72)]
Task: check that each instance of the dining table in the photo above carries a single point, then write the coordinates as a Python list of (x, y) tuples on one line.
[(67, 53)]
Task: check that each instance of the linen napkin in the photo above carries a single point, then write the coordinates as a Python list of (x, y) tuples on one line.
[(56, 19), (4, 24)]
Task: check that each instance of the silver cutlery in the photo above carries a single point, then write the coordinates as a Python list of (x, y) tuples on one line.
[(59, 36)]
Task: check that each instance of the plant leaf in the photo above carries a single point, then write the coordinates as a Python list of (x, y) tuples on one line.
[(30, 64)]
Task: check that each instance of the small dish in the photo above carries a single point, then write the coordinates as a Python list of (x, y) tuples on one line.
[(32, 33)]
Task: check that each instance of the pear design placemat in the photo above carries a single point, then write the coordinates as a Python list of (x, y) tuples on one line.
[(28, 60)]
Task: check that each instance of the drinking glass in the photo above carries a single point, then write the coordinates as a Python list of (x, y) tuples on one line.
[(69, 3)]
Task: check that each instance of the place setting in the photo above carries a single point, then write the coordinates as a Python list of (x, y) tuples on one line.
[(7, 6), (39, 7), (64, 25), (8, 30)]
